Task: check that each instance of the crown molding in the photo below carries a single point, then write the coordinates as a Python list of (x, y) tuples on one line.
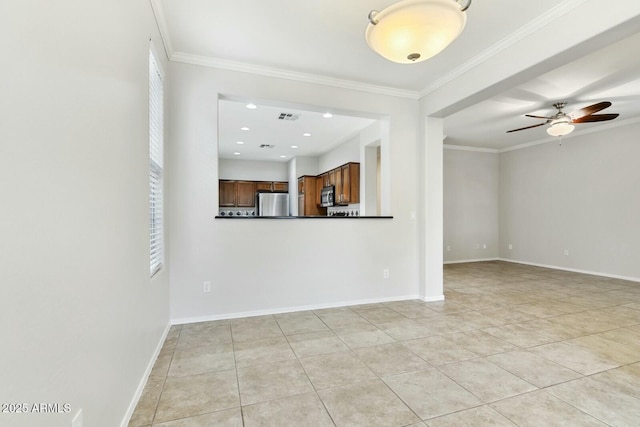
[(540, 22), (224, 64), (468, 148), (161, 22)]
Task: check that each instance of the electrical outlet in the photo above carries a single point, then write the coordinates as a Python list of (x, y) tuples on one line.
[(484, 246), (448, 248), (510, 246), (77, 420), (206, 287), (566, 252), (385, 273)]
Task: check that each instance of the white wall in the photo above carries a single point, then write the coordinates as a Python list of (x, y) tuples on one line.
[(349, 151), (471, 200), (81, 317), (252, 170), (583, 196), (280, 264), (370, 140), (306, 165)]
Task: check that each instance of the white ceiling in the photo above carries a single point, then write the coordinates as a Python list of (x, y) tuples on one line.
[(265, 127), (325, 38)]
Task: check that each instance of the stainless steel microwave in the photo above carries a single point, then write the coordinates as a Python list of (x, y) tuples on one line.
[(327, 196)]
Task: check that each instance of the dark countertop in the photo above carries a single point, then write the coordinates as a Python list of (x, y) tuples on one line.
[(302, 217)]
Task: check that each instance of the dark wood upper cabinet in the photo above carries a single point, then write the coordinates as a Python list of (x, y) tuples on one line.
[(227, 193), (348, 184), (324, 178), (263, 186), (338, 183), (280, 186), (331, 178), (246, 197), (272, 186), (319, 186), (242, 194)]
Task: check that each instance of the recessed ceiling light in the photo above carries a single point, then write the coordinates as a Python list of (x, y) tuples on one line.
[(239, 142), (306, 134), (252, 106), (294, 146), (236, 154), (327, 115), (283, 157), (244, 128)]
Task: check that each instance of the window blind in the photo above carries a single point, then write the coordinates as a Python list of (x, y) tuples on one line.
[(156, 131)]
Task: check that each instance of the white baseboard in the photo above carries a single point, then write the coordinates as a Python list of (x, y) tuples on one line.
[(143, 380), (471, 260), (573, 270), (184, 320), (433, 299)]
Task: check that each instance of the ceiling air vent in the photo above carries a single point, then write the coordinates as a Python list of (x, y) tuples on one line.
[(267, 146), (288, 116)]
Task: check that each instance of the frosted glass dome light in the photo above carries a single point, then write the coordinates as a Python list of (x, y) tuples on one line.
[(412, 31), (560, 127)]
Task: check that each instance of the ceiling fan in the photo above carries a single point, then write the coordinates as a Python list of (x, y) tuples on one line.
[(562, 124)]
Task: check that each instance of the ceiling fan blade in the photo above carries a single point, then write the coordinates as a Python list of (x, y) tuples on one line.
[(537, 117), (528, 127), (595, 118), (586, 111)]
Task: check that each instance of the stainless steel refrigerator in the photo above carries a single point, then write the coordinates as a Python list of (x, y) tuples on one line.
[(272, 204)]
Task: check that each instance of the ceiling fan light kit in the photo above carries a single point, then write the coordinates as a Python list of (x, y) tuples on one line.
[(560, 127), (412, 31), (562, 124)]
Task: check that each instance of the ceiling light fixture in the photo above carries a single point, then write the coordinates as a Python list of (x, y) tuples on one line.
[(244, 128), (252, 106), (294, 146), (236, 154), (306, 134), (239, 142), (283, 157), (415, 30), (560, 127), (327, 115)]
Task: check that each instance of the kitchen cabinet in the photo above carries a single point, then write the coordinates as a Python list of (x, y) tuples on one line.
[(307, 204), (331, 178), (338, 183), (263, 186), (246, 194), (237, 194), (324, 178), (227, 193), (281, 186), (347, 184), (272, 186), (319, 186), (242, 194)]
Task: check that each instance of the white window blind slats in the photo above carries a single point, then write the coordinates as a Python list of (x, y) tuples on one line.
[(156, 126)]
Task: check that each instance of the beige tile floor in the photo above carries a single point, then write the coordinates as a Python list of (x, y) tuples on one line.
[(511, 345)]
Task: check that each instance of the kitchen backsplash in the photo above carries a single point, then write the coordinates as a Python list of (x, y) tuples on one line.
[(350, 210), (237, 212)]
